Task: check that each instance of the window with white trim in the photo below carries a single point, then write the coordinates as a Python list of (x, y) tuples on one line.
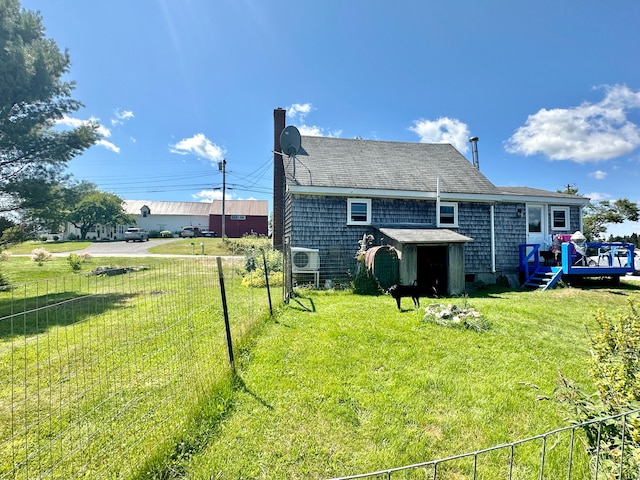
[(448, 214), (358, 211), (559, 218)]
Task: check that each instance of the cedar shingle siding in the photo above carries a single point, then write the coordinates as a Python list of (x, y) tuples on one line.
[(402, 182)]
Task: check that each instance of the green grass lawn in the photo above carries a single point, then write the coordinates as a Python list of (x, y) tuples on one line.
[(336, 384), (23, 269), (212, 246), (191, 246), (342, 384), (100, 373), (26, 248)]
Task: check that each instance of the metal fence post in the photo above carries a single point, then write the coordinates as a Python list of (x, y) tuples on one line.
[(225, 312), (266, 279)]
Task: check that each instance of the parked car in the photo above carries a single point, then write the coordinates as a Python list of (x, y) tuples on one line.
[(209, 233), (190, 232), (133, 234)]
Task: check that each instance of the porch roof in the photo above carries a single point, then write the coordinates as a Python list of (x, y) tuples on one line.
[(424, 235)]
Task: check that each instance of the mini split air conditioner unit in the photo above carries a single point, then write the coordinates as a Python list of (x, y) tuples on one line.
[(305, 259)]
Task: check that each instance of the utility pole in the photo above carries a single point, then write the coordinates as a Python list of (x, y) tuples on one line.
[(222, 166)]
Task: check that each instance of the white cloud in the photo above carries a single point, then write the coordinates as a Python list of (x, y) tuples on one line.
[(103, 131), (443, 130), (199, 145), (108, 145), (121, 116), (313, 131), (586, 133), (598, 175), (299, 110), (597, 197), (210, 195)]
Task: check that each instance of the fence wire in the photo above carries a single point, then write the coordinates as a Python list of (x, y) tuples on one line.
[(559, 454), (97, 371)]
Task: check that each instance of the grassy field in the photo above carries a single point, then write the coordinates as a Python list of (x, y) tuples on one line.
[(98, 374), (26, 248), (23, 269), (336, 384), (341, 384)]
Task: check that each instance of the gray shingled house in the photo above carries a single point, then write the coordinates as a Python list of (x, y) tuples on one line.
[(449, 223)]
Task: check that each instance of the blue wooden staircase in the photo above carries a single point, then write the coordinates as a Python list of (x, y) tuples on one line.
[(544, 277)]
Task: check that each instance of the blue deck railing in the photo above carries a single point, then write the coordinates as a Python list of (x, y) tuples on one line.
[(597, 259)]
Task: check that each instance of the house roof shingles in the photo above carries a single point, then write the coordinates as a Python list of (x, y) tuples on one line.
[(368, 164)]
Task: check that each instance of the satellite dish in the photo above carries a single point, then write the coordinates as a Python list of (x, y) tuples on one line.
[(290, 141)]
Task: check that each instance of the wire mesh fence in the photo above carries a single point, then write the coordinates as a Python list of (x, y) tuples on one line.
[(558, 454), (98, 371)]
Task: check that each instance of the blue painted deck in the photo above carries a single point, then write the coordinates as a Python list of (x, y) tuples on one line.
[(600, 259)]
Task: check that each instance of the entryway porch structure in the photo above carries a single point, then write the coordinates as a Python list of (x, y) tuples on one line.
[(593, 259), (432, 257)]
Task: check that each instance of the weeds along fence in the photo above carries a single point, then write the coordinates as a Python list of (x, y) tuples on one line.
[(99, 373), (564, 453)]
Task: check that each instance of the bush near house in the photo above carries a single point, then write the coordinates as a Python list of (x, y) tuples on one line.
[(615, 370)]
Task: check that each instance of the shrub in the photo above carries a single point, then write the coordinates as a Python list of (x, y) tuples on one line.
[(365, 283), (166, 234), (15, 235), (257, 279), (255, 258), (75, 261), (71, 237), (615, 369), (43, 238), (41, 255), (4, 256), (55, 238)]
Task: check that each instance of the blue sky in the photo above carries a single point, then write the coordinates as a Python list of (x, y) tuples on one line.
[(551, 88)]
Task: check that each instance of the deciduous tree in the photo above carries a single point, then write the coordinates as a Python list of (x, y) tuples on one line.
[(98, 208), (598, 215)]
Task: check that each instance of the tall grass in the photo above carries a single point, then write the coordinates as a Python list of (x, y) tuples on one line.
[(110, 376)]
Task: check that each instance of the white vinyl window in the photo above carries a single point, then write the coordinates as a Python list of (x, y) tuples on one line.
[(448, 214), (559, 218), (358, 211)]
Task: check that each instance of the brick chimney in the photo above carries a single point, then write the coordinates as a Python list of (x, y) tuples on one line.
[(279, 185)]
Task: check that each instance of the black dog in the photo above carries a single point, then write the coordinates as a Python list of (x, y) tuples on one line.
[(414, 291)]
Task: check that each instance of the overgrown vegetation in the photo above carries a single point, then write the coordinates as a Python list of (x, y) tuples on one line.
[(365, 283), (615, 370), (255, 261), (75, 261)]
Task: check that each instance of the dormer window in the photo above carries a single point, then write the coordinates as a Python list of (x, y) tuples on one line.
[(145, 211)]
